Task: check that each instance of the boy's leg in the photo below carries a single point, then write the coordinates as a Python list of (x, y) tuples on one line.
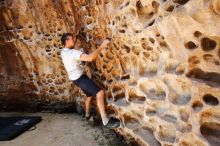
[(101, 105), (92, 89), (108, 122), (88, 105)]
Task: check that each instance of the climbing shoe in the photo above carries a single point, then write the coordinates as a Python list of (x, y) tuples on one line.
[(112, 123)]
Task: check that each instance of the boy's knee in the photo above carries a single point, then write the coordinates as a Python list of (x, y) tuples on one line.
[(100, 93)]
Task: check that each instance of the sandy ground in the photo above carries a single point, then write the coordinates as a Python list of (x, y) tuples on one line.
[(64, 130)]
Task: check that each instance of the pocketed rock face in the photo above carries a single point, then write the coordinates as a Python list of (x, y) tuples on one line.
[(161, 71), (31, 71)]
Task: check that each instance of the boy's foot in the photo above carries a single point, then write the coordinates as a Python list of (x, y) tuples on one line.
[(112, 123), (89, 115)]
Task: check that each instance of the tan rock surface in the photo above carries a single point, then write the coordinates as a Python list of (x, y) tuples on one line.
[(161, 71)]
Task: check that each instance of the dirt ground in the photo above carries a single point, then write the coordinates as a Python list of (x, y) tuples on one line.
[(64, 130)]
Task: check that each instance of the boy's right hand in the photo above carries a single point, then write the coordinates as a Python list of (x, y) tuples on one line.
[(105, 43)]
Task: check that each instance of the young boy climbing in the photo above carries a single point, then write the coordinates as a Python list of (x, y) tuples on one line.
[(71, 58)]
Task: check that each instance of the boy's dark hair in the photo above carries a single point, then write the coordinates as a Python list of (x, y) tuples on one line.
[(65, 37)]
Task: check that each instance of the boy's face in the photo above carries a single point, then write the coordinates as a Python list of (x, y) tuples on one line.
[(70, 41)]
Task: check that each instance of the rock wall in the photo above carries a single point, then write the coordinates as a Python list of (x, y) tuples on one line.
[(161, 71), (31, 72)]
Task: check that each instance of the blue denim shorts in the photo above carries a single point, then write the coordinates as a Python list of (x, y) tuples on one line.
[(89, 87)]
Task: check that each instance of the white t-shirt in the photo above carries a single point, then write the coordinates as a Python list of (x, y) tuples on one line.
[(71, 61)]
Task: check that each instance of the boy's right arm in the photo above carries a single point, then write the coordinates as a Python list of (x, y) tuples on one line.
[(93, 55)]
